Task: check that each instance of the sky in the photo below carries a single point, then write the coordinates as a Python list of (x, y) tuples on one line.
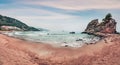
[(63, 15)]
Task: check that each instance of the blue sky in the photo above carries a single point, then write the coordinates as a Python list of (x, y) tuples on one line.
[(68, 15)]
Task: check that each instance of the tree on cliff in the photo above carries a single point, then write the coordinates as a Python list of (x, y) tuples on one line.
[(108, 16)]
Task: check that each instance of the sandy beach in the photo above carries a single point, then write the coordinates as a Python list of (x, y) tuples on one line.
[(19, 52), (59, 32)]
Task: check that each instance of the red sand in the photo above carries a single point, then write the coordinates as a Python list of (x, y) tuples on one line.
[(19, 52)]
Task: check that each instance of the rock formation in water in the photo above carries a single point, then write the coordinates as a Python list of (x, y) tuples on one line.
[(11, 23), (108, 25)]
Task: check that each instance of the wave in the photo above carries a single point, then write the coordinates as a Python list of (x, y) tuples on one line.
[(56, 38)]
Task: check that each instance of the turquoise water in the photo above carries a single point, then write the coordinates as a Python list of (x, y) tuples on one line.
[(56, 38)]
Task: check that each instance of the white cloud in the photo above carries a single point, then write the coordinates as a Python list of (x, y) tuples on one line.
[(78, 4), (33, 13), (39, 17)]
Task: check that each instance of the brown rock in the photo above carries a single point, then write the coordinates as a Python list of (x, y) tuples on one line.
[(92, 25), (107, 26)]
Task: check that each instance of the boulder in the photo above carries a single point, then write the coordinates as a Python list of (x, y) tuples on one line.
[(71, 32), (108, 25)]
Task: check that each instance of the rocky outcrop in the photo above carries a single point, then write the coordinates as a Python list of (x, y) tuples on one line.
[(7, 21), (108, 25)]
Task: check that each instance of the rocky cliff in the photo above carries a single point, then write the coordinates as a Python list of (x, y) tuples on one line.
[(108, 25), (7, 21)]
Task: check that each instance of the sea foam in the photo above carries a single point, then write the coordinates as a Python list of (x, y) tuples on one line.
[(56, 38)]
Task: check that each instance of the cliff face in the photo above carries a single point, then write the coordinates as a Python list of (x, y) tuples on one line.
[(7, 21), (107, 26)]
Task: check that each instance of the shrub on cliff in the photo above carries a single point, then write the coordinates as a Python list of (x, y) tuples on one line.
[(108, 16)]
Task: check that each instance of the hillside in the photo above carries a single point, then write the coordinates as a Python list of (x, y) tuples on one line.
[(8, 21)]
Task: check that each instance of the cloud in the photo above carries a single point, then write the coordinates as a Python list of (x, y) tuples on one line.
[(77, 4), (39, 17), (34, 13), (59, 14)]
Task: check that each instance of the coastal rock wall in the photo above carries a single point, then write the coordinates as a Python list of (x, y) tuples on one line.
[(108, 25)]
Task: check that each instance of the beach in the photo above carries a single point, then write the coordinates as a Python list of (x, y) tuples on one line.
[(15, 51), (59, 32)]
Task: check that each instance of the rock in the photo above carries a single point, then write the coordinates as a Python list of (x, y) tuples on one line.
[(92, 25), (72, 32), (107, 26), (79, 40), (66, 45)]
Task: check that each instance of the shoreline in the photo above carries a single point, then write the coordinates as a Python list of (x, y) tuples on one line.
[(30, 53), (74, 44)]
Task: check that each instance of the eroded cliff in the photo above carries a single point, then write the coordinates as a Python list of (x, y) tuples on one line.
[(108, 25)]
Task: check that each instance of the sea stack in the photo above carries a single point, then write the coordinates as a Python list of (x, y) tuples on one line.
[(108, 25)]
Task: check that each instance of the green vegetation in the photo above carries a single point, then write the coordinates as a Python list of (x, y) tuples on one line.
[(7, 21), (108, 16)]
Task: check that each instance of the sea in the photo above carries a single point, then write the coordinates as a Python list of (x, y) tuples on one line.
[(56, 38)]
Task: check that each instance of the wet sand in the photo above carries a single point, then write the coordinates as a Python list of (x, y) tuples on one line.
[(20, 52)]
